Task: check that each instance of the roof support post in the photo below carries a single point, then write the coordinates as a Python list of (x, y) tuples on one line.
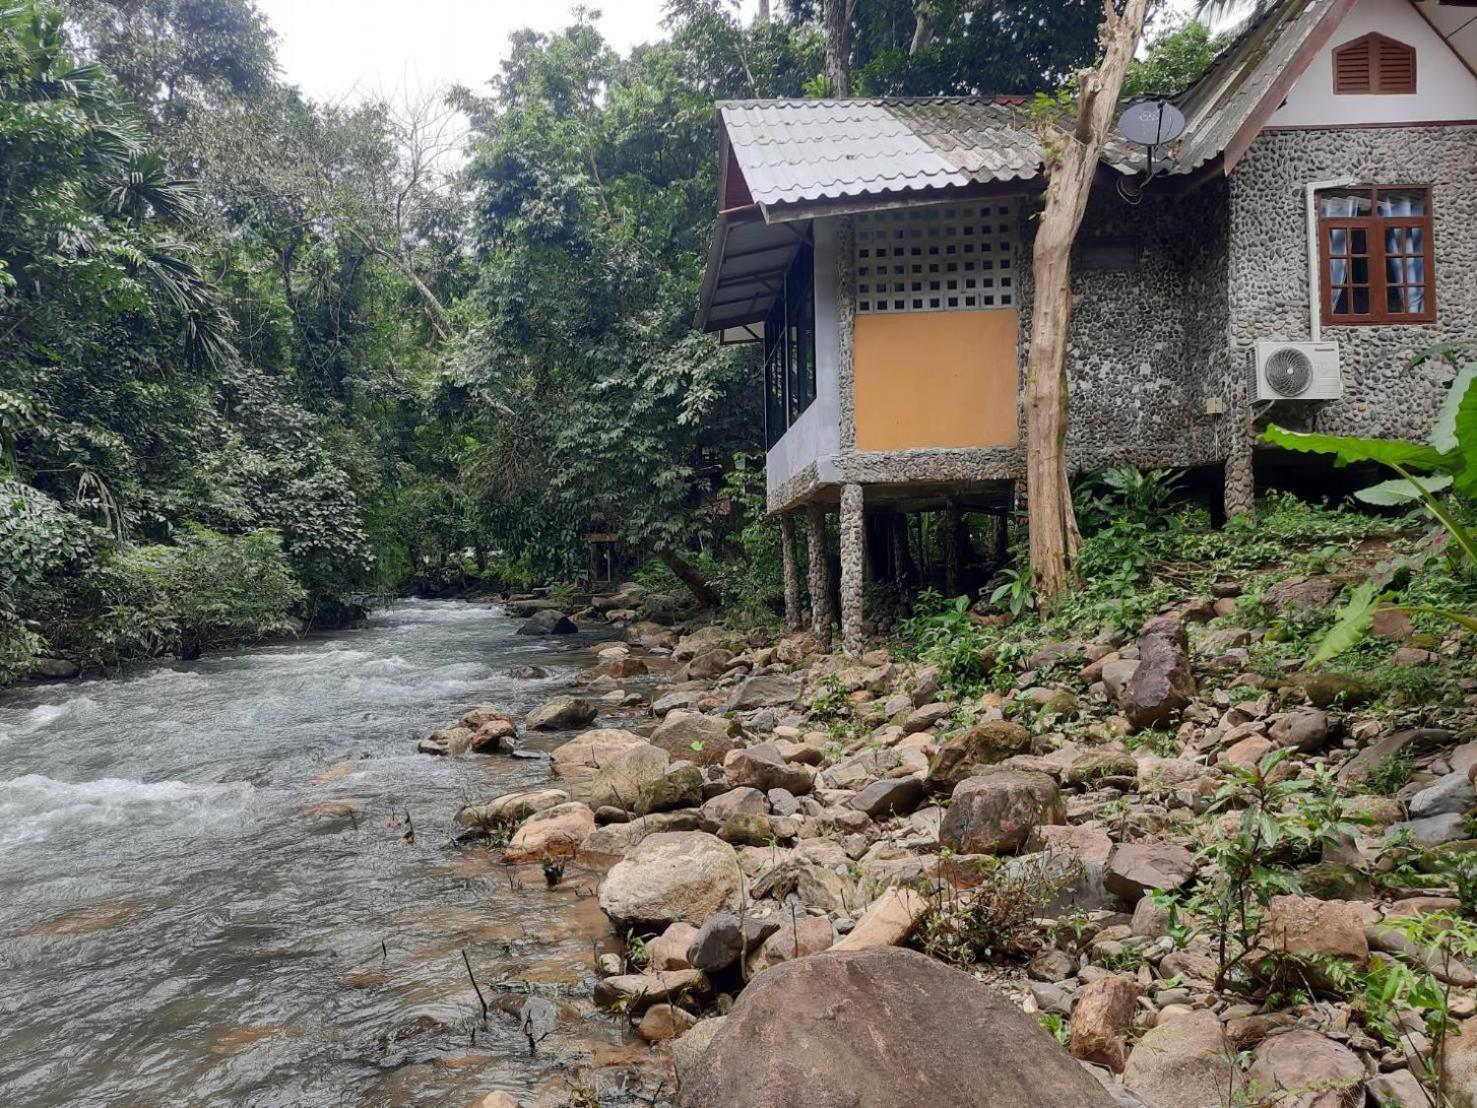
[(853, 569), (820, 576), (846, 327)]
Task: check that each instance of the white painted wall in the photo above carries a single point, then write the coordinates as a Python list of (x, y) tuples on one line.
[(1445, 89), (817, 433)]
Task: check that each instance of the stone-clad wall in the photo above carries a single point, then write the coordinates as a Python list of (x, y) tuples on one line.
[(1269, 266), (1148, 342)]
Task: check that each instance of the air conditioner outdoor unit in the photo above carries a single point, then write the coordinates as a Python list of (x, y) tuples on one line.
[(1298, 371)]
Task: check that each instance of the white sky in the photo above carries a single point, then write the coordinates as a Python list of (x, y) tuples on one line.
[(334, 48)]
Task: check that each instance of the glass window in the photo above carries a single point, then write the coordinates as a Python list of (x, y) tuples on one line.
[(1376, 255), (789, 348)]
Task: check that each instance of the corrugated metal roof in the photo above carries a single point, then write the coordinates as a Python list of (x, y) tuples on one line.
[(799, 151), (1223, 101)]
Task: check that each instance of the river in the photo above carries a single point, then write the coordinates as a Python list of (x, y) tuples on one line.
[(191, 914)]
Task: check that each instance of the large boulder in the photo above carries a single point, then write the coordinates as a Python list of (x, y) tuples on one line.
[(563, 713), (1103, 1020), (995, 812), (671, 876), (1314, 930), (1136, 868), (1184, 1062), (881, 1028), (585, 753), (643, 779), (762, 767), (549, 621), (964, 753), (1459, 1066), (703, 740), (765, 691), (509, 807), (1302, 1069), (1307, 594), (1162, 684), (555, 832)]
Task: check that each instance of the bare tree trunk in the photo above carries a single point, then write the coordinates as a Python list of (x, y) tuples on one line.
[(837, 16), (763, 11), (688, 574), (1071, 163), (922, 29)]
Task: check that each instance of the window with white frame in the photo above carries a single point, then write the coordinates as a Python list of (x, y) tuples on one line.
[(939, 258)]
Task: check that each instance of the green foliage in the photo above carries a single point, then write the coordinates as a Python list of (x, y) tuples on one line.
[(945, 633), (1175, 59), (1014, 593)]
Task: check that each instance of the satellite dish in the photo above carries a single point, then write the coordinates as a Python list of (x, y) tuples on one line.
[(1151, 123)]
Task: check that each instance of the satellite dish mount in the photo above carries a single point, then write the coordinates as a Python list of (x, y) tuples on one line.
[(1150, 124)]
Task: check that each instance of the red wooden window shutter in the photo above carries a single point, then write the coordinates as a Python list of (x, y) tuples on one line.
[(1374, 63)]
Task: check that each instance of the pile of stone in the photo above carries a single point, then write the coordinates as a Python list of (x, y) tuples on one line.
[(765, 859)]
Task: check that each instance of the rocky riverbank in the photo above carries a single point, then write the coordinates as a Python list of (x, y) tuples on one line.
[(1164, 872)]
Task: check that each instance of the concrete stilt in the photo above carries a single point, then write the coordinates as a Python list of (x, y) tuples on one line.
[(819, 576), (793, 618), (852, 569)]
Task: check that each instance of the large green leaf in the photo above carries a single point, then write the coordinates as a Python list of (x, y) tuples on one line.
[(1397, 490), (1464, 427), (1353, 622), (1443, 431), (1347, 449)]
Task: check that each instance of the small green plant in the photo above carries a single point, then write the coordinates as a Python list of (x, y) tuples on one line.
[(1054, 1022), (1014, 593), (989, 921), (1390, 776)]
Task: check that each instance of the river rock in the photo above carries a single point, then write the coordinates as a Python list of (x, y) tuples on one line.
[(707, 665), (1459, 1065), (508, 808), (1135, 868), (668, 951), (1102, 1021), (1314, 929), (670, 876), (549, 621), (1162, 684), (585, 753), (561, 714), (1304, 729), (881, 1028), (53, 669), (1183, 1063), (642, 779), (612, 842), (717, 944), (661, 1022), (742, 801), (556, 832), (888, 921), (1302, 1069), (1399, 1089), (964, 753), (702, 740), (762, 767), (994, 813), (688, 1051), (800, 937), (641, 990), (891, 796), (765, 691), (1450, 795), (1305, 593)]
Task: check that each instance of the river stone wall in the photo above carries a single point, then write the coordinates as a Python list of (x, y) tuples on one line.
[(1269, 266)]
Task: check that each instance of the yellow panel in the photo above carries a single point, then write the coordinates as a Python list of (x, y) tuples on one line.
[(936, 379)]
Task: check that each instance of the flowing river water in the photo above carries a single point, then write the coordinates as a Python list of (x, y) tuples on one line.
[(207, 896)]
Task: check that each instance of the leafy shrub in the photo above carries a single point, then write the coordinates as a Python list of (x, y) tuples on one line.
[(210, 589), (944, 633), (990, 920)]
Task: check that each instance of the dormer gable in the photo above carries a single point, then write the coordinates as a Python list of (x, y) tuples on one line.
[(1384, 64)]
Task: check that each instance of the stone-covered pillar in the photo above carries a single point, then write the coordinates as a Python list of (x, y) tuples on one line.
[(1240, 482), (853, 542), (791, 559), (846, 328), (949, 538), (820, 576)]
